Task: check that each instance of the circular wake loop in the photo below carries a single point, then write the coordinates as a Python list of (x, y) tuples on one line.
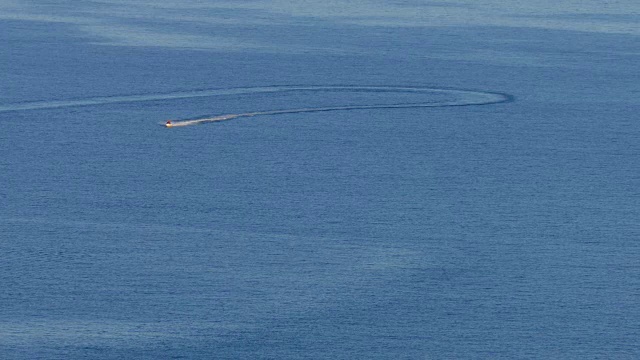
[(428, 97), (454, 97)]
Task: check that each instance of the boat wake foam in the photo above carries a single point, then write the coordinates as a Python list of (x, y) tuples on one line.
[(441, 97), (457, 97)]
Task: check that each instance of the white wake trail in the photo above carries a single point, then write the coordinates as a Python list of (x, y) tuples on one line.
[(441, 97), (471, 98)]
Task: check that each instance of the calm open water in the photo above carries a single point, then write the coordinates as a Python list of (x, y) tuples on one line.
[(505, 230)]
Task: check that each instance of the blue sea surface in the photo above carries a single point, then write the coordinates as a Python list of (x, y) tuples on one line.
[(496, 231)]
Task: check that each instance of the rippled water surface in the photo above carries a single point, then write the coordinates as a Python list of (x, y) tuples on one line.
[(469, 190)]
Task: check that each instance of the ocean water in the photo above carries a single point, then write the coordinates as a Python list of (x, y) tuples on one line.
[(493, 213)]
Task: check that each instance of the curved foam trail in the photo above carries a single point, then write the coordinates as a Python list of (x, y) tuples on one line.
[(36, 105), (484, 99), (201, 121)]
